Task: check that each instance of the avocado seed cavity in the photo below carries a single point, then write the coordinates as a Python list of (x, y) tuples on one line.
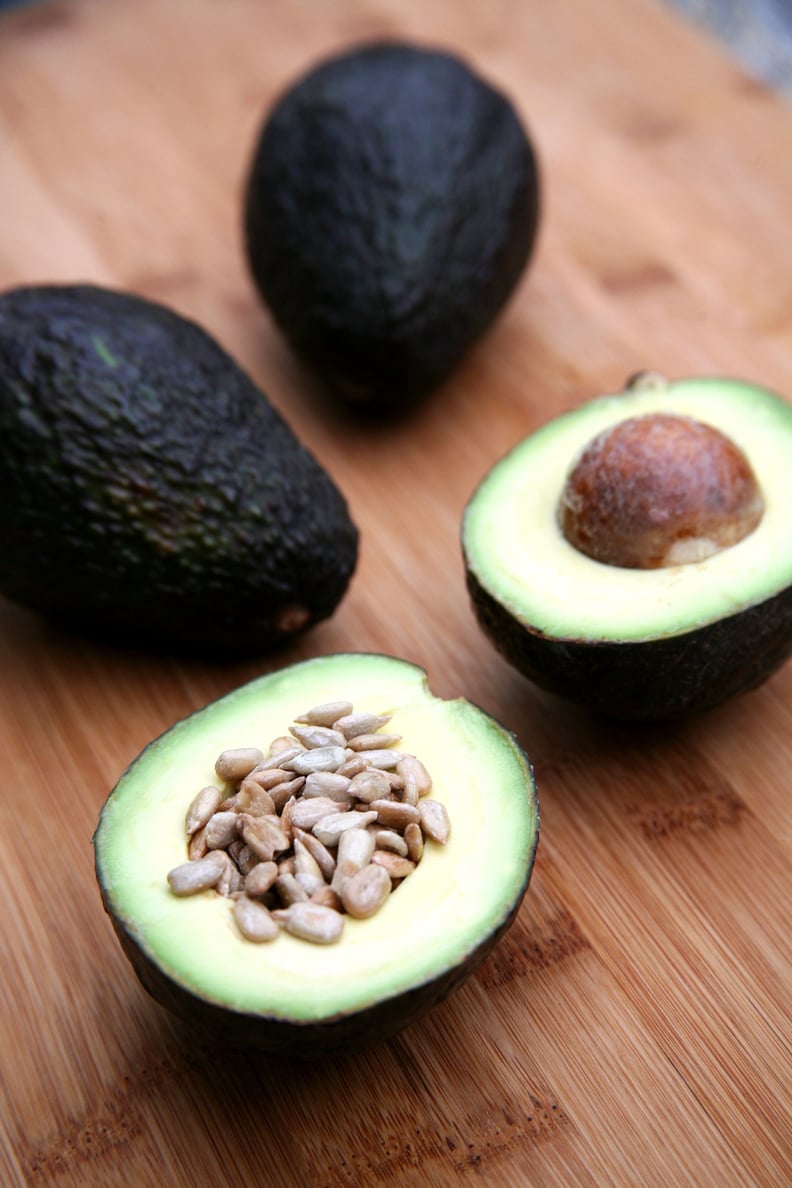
[(326, 824), (659, 490)]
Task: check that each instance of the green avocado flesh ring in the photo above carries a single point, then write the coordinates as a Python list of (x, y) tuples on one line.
[(516, 552), (458, 895)]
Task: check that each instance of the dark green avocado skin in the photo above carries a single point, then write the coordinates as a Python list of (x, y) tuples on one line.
[(148, 490), (653, 680), (391, 207)]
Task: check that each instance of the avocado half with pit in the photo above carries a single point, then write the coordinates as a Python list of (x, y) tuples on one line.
[(292, 996), (634, 555)]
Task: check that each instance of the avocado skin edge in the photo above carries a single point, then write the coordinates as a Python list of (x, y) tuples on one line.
[(391, 206), (149, 491), (313, 1040), (648, 680)]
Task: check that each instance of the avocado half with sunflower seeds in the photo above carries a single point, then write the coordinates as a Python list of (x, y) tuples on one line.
[(390, 209), (304, 997), (634, 555)]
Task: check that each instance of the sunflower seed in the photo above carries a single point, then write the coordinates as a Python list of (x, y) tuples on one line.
[(234, 764), (397, 868), (221, 829), (290, 890), (352, 766), (415, 775), (312, 922), (388, 839), (281, 758), (325, 715), (305, 814), (267, 777), (310, 883), (230, 881), (286, 866), (385, 759), (326, 783), (352, 725), (355, 848), (318, 851), (413, 836), (282, 793), (395, 814), (327, 897), (314, 737), (264, 836), (365, 892), (320, 759), (192, 877), (204, 805), (254, 921), (434, 821), (370, 785), (260, 879), (279, 746), (197, 847), (330, 828), (247, 860), (304, 861), (253, 799), (372, 742)]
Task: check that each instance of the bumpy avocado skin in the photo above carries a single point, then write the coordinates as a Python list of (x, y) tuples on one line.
[(391, 207), (646, 681), (148, 490)]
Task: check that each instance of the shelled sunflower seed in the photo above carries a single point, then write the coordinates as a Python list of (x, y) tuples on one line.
[(326, 822)]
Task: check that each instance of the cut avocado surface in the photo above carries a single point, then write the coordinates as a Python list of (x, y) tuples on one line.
[(635, 642), (433, 930)]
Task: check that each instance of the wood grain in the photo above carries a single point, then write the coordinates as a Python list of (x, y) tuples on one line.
[(634, 1026)]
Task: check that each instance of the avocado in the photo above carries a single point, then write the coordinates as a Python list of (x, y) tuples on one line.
[(390, 208), (148, 490), (593, 555), (289, 995)]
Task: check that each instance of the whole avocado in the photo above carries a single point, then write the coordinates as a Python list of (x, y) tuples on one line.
[(391, 207), (148, 489)]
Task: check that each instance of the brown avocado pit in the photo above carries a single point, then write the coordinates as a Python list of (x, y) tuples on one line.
[(633, 555), (659, 489), (284, 994)]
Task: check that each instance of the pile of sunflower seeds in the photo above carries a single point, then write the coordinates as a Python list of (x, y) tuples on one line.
[(327, 823)]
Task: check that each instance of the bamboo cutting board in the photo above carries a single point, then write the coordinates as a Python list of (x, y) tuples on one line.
[(633, 1028)]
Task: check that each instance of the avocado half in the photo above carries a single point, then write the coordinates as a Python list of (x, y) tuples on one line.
[(292, 997), (390, 209), (635, 643)]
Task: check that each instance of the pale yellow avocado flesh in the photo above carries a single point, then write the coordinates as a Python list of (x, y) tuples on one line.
[(514, 546), (458, 894)]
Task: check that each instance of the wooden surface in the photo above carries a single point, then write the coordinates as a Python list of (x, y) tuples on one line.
[(634, 1026)]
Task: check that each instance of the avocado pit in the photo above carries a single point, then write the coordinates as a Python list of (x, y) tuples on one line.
[(659, 490)]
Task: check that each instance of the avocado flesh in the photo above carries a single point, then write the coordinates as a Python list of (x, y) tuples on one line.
[(148, 490), (391, 206), (290, 995), (635, 643)]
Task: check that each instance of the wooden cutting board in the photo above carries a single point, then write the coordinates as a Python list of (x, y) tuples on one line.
[(634, 1026)]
